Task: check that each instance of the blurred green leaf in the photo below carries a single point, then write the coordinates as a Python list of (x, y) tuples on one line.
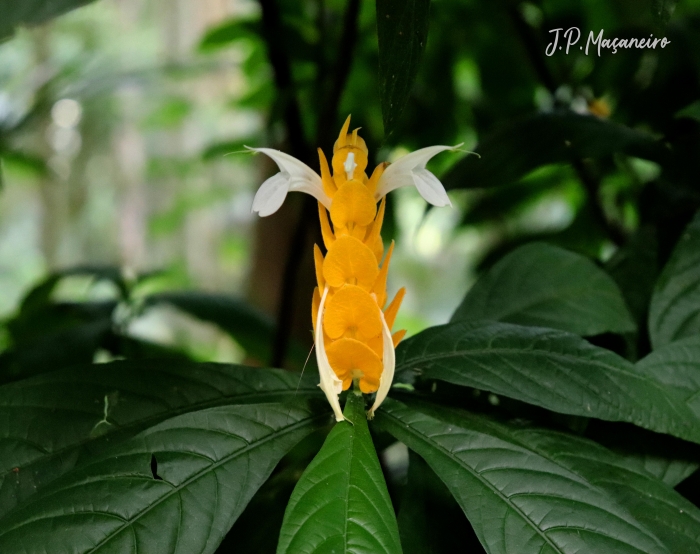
[(545, 286), (58, 420), (691, 111), (341, 503), (675, 305), (662, 10), (252, 329), (516, 148), (176, 487), (540, 491), (402, 31), (32, 12), (229, 31), (552, 369)]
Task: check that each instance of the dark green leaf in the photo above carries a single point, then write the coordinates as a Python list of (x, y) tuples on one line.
[(546, 286), (175, 488), (516, 148), (675, 304), (552, 369), (533, 491), (677, 367), (32, 12), (341, 503), (634, 268), (662, 10), (402, 30), (55, 421)]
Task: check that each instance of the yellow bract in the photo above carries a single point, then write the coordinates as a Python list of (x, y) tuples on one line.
[(353, 323)]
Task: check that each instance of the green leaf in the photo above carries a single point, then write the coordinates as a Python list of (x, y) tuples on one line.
[(230, 31), (32, 12), (677, 367), (518, 147), (176, 487), (341, 503), (533, 491), (402, 31), (662, 10), (55, 421), (675, 304), (546, 286), (552, 369), (634, 268)]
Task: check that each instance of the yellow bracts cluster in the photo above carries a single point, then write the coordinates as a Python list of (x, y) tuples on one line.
[(352, 323), (350, 276)]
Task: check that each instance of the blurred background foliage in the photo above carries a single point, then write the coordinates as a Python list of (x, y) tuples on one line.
[(122, 126)]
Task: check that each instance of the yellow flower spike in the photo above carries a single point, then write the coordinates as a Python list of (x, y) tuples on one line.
[(318, 263), (315, 304), (396, 337), (350, 262), (326, 178), (330, 384), (352, 335), (376, 175), (351, 358), (393, 308), (328, 235), (374, 238), (352, 311), (379, 287), (353, 204)]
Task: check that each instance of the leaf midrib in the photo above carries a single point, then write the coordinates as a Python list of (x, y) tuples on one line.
[(251, 446)]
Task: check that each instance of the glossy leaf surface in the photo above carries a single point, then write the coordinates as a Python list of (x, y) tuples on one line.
[(52, 422), (546, 286), (175, 488), (534, 491), (552, 369), (341, 503), (675, 304), (402, 30)]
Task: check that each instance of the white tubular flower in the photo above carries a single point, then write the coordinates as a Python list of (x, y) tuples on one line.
[(330, 384), (293, 175), (410, 171)]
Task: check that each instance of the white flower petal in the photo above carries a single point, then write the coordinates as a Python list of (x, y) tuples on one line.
[(403, 171), (298, 176), (389, 359), (430, 188), (330, 384), (271, 194)]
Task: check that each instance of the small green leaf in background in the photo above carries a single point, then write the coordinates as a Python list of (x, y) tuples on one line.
[(176, 488), (32, 12), (546, 286), (341, 503), (57, 420), (675, 305), (402, 30), (532, 491), (552, 369), (518, 147)]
